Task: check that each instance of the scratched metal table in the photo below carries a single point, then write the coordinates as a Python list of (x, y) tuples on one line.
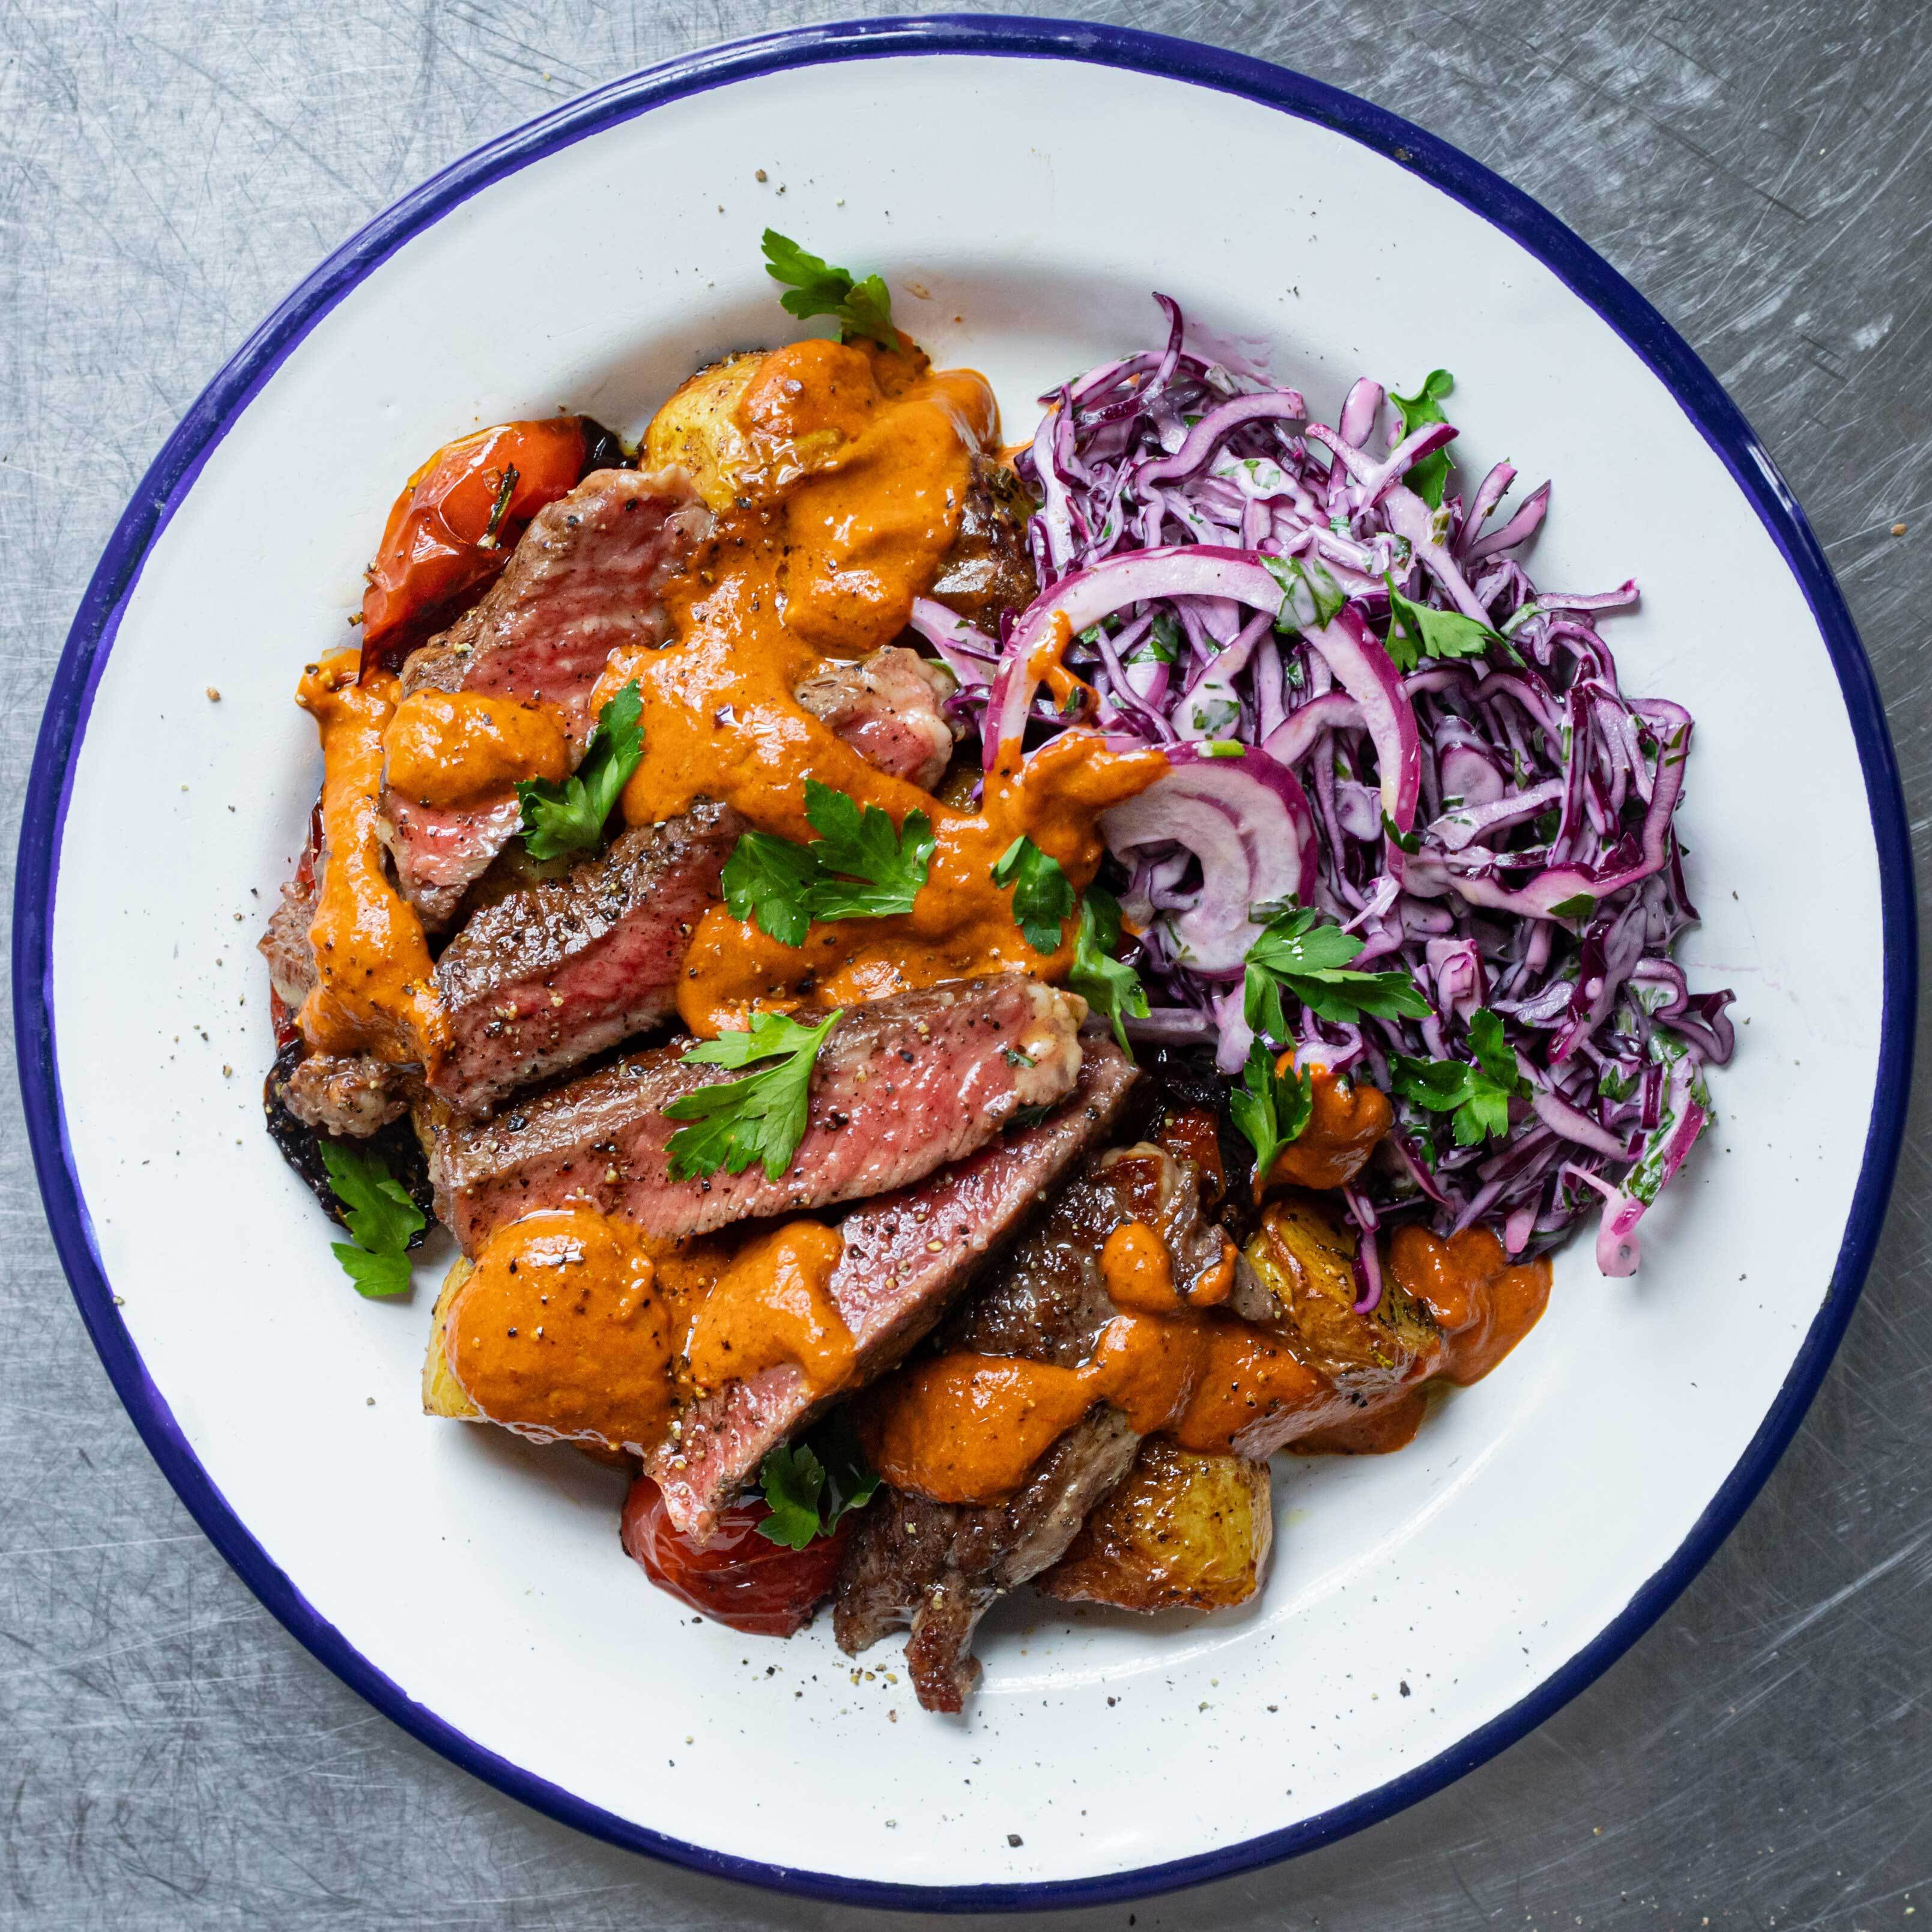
[(170, 1757)]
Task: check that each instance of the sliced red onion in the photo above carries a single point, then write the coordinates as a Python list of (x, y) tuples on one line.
[(1247, 821), (1519, 528), (970, 655)]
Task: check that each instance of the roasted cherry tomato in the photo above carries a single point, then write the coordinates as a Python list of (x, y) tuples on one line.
[(738, 1578), (459, 517)]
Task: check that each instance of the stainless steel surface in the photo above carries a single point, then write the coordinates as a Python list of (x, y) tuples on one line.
[(170, 1757)]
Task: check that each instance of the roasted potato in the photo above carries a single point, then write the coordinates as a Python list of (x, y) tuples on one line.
[(443, 1394), (698, 428), (1182, 1531), (1303, 1261)]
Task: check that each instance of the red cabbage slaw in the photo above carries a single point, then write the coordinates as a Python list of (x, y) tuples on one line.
[(1255, 592)]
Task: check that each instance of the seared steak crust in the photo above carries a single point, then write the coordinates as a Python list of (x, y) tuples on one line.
[(938, 1566), (349, 1094), (561, 970), (902, 1087), (941, 1566), (300, 1145), (989, 570), (888, 709), (589, 574), (907, 1256)]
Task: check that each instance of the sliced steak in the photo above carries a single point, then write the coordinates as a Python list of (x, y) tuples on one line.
[(888, 708), (300, 1143), (346, 1094), (906, 1257), (561, 970), (989, 570), (942, 1565), (938, 1566), (589, 574), (902, 1087)]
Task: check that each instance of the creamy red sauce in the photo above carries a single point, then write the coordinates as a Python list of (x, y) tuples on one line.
[(374, 992)]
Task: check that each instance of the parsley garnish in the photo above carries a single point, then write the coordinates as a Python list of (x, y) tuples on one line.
[(1416, 632), (857, 868), (1477, 1095), (569, 816), (817, 288), (379, 1214), (759, 1117), (1270, 1108), (1109, 986), (1579, 905), (811, 1484), (1042, 893), (1430, 477), (1310, 960), (1310, 597)]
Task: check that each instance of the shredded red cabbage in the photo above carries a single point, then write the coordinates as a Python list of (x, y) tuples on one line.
[(1495, 819)]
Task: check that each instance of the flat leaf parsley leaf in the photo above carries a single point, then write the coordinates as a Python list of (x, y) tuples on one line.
[(1430, 477), (1416, 632), (570, 817), (1110, 986), (1310, 597), (1042, 893), (1270, 1108), (814, 287), (379, 1214), (1478, 1096), (810, 1485), (1299, 954), (759, 1117), (857, 868)]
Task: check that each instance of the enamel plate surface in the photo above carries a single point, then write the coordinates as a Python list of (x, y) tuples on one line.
[(1424, 1609)]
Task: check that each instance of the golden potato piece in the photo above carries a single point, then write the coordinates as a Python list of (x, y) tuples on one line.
[(1303, 1256), (443, 1394), (1182, 1531), (698, 428)]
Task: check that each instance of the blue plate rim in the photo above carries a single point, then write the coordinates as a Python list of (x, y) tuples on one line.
[(172, 474)]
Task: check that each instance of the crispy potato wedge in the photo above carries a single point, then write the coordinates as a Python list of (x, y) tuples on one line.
[(697, 427), (1182, 1531)]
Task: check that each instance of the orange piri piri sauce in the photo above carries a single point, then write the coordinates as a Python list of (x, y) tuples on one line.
[(965, 1428), (566, 1330), (576, 1324), (774, 1304), (857, 462), (1346, 1120), (374, 992), (449, 747)]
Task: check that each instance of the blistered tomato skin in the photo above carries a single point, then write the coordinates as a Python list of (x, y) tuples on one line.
[(740, 1578), (455, 524)]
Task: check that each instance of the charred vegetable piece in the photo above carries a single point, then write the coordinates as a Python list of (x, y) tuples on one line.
[(739, 1577), (395, 1146), (458, 518), (1183, 1532), (1304, 1258)]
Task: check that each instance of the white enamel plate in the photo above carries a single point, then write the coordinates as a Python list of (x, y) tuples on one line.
[(1424, 1609)]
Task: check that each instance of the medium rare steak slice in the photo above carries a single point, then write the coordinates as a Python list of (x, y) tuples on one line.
[(939, 1566), (589, 574), (907, 1256), (902, 1087), (564, 968), (888, 708)]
